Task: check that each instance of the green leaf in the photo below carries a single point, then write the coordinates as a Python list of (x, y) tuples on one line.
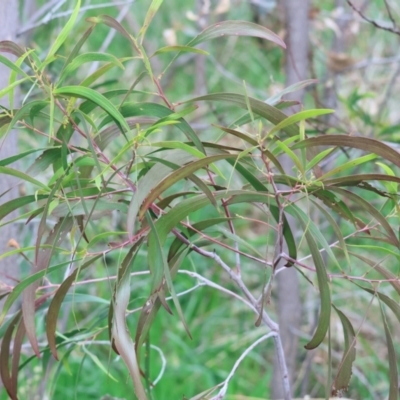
[(66, 30), (14, 204), (159, 268), (300, 116), (393, 369), (6, 377), (87, 58), (198, 226), (349, 164), (23, 176), (113, 23), (154, 6), (77, 47), (19, 288), (97, 98), (42, 260), (13, 66), (292, 88), (320, 156), (119, 329), (8, 88), (130, 109), (357, 142), (342, 379), (258, 107), (372, 211), (7, 46), (55, 305), (323, 285), (182, 49), (392, 304), (98, 363), (176, 176), (236, 28), (179, 212)]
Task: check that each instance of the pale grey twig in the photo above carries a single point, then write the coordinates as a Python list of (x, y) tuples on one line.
[(389, 11), (225, 383), (372, 61), (46, 6), (46, 19), (394, 30)]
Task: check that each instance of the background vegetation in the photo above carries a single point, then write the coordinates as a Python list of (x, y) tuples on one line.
[(340, 199)]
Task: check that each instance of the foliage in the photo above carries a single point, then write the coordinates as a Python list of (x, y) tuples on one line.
[(125, 185)]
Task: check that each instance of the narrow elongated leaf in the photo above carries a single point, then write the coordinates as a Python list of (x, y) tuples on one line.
[(151, 12), (98, 363), (343, 375), (42, 259), (236, 28), (12, 66), (113, 23), (87, 58), (55, 305), (392, 304), (4, 357), (177, 175), (350, 164), (16, 354), (15, 204), (152, 306), (77, 47), (357, 142), (394, 279), (120, 332), (393, 369), (258, 107), (23, 176), (7, 46), (359, 180), (11, 87), (130, 109), (151, 180), (168, 221), (372, 211), (66, 30), (21, 286), (336, 228), (182, 49), (318, 158), (300, 116), (159, 268), (97, 98), (10, 160), (323, 286), (273, 100), (199, 226)]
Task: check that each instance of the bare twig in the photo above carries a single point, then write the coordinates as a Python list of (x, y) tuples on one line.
[(50, 16), (389, 11), (394, 30), (225, 383)]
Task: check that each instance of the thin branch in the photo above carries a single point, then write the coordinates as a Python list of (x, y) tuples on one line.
[(394, 30), (225, 383), (50, 16), (389, 11)]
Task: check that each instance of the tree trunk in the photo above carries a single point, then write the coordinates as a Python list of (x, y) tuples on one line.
[(287, 282), (9, 270)]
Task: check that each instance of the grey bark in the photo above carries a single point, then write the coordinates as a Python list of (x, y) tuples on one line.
[(287, 283), (9, 270)]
